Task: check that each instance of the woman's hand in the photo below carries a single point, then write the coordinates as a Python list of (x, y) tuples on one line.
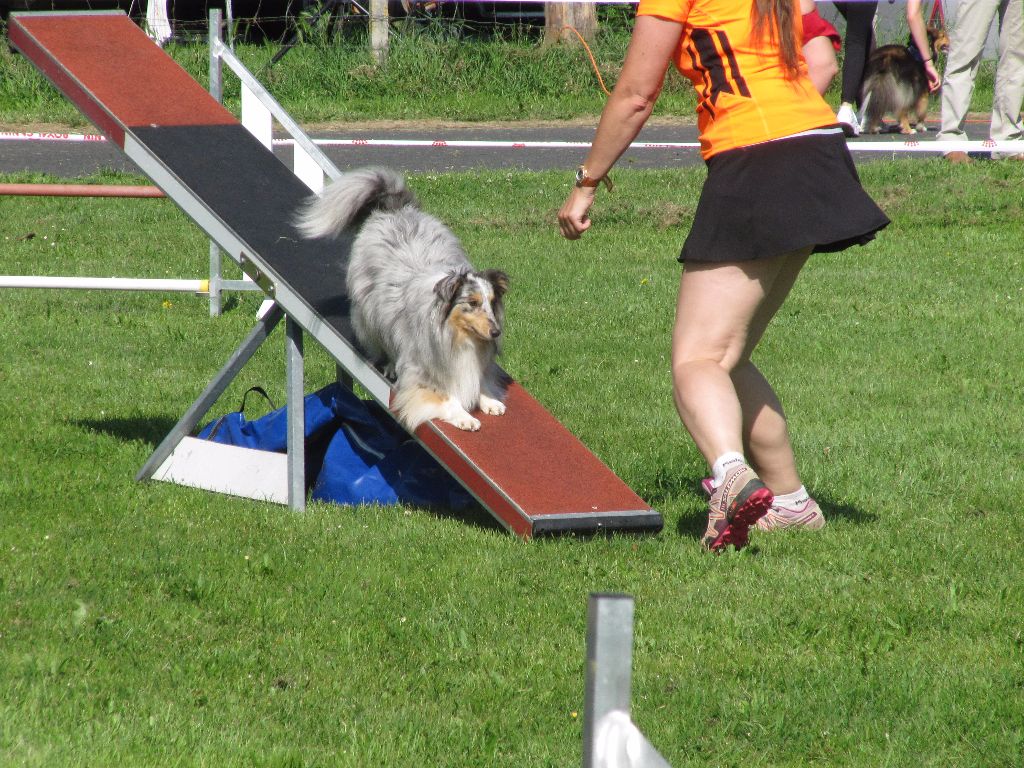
[(572, 218), (651, 48), (919, 33)]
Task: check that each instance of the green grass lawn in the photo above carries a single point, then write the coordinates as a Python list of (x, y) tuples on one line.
[(155, 625)]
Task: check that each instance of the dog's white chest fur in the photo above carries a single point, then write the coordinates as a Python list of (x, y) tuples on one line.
[(469, 363)]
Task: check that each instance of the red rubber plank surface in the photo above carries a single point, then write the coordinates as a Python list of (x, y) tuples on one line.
[(107, 66), (529, 465)]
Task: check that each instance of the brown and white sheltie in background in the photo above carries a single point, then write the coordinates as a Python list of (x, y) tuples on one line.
[(895, 84), (418, 305)]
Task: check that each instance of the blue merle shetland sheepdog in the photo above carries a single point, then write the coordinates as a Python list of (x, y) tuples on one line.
[(418, 306)]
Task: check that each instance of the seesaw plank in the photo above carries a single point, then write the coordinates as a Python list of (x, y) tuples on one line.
[(525, 467)]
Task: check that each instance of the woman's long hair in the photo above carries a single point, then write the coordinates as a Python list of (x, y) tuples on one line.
[(773, 21)]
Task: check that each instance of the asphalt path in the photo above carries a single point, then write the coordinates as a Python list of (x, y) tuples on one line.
[(69, 160)]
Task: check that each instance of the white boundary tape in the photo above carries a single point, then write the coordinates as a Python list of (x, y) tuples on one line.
[(910, 145), (897, 146), (17, 136)]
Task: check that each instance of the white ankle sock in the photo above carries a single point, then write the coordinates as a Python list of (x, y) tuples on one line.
[(723, 464), (793, 500)]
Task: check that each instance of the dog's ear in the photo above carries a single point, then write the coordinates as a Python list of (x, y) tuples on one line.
[(448, 287), (498, 279)]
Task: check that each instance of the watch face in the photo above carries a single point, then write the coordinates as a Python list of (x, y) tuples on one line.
[(581, 175)]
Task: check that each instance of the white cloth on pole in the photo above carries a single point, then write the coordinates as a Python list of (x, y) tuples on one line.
[(158, 24)]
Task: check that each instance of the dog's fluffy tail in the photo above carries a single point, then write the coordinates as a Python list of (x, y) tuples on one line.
[(882, 94), (864, 105), (351, 197)]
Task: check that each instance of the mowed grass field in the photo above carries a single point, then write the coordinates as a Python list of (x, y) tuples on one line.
[(154, 625)]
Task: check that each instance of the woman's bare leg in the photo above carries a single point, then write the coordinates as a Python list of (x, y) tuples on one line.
[(765, 434), (723, 400)]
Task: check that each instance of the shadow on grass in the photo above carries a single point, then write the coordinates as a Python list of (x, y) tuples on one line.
[(668, 486), (148, 429), (834, 510), (154, 429), (475, 516)]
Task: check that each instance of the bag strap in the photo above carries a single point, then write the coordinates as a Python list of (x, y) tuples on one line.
[(259, 391), (241, 409)]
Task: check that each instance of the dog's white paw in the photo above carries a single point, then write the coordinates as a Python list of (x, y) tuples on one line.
[(464, 422), (458, 417), (490, 406)]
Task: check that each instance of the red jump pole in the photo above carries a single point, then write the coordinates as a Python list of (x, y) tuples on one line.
[(80, 190)]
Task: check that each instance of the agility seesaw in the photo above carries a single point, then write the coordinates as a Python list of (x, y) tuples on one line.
[(525, 467)]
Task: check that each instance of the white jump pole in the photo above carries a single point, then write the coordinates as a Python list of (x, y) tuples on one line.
[(106, 283)]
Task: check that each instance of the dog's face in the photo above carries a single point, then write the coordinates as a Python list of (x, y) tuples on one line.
[(474, 303), (938, 39)]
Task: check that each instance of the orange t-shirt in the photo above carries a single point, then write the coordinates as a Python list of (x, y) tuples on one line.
[(743, 95)]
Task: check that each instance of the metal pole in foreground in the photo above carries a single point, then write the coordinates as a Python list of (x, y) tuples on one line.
[(609, 664), (610, 739)]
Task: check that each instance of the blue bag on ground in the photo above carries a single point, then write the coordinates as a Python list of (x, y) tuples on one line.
[(270, 432), (355, 452)]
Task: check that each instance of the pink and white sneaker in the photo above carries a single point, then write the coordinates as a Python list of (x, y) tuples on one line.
[(734, 506), (806, 515)]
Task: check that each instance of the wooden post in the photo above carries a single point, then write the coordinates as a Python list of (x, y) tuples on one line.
[(561, 18), (379, 29)]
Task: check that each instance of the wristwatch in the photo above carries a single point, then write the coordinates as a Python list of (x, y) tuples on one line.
[(584, 179)]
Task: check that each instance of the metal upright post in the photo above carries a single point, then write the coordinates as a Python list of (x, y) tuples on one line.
[(610, 739), (217, 91), (296, 418), (216, 77), (609, 664), (229, 10)]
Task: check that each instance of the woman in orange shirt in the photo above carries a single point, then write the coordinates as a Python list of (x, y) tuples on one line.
[(780, 185)]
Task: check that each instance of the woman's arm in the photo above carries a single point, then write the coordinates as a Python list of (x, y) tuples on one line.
[(819, 54), (651, 47), (919, 33)]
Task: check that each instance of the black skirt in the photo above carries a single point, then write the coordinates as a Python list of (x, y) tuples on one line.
[(781, 196)]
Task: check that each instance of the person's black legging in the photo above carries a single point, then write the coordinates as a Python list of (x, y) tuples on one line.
[(857, 46)]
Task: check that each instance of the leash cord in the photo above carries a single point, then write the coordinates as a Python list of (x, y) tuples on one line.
[(593, 61)]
